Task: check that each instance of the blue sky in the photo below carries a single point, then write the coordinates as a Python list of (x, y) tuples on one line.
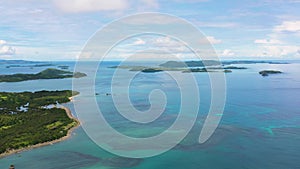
[(58, 29)]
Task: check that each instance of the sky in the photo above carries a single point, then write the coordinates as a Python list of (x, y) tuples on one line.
[(59, 29)]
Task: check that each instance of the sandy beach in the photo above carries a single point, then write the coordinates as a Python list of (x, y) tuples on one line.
[(69, 134)]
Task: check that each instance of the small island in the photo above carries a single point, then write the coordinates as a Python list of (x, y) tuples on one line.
[(196, 66), (197, 70), (31, 66), (146, 69), (234, 67), (268, 72), (45, 74), (63, 67), (179, 64), (151, 70), (27, 119), (252, 62), (204, 63), (18, 62)]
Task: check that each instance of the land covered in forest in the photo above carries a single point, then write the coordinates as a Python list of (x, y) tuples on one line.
[(49, 73), (26, 119)]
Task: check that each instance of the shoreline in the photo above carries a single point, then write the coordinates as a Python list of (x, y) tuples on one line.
[(69, 134)]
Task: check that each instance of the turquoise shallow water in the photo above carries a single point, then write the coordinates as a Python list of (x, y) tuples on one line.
[(260, 128)]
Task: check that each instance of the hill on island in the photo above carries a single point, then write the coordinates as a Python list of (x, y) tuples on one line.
[(49, 73)]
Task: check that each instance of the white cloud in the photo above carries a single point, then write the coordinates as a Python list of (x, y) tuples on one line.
[(139, 42), (150, 3), (2, 42), (154, 19), (267, 41), (7, 50), (166, 42), (288, 26), (148, 47), (282, 41), (281, 51), (213, 40), (215, 24), (228, 52), (84, 55), (36, 11), (190, 1), (74, 6)]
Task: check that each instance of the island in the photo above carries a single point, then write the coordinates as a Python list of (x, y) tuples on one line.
[(196, 70), (194, 66), (31, 66), (49, 73), (252, 62), (204, 63), (190, 63), (63, 67), (18, 62), (145, 69), (151, 70), (268, 72), (234, 67), (33, 119)]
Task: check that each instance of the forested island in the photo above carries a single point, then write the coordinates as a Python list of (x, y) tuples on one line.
[(25, 119), (268, 72), (178, 64), (151, 70), (31, 66), (184, 67), (18, 62), (49, 73), (196, 66)]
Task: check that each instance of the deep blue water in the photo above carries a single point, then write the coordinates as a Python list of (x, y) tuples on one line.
[(260, 128)]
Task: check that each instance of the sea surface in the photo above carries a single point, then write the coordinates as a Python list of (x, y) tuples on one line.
[(260, 127)]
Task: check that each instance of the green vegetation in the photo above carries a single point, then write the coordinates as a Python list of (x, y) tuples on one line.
[(197, 70), (45, 74), (267, 72), (17, 62), (34, 123), (234, 67), (145, 69), (190, 63), (131, 68), (151, 70), (251, 62), (31, 66), (195, 66), (176, 64), (63, 67)]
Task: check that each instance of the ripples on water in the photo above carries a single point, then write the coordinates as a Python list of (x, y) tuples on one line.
[(260, 127)]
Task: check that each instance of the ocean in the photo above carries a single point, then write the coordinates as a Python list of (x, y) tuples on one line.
[(260, 127)]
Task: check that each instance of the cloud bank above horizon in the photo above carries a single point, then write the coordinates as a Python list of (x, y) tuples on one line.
[(59, 29)]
